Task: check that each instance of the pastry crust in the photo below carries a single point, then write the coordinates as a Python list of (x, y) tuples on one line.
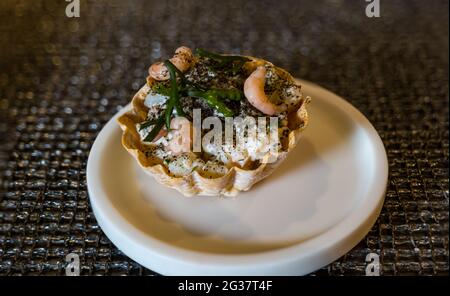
[(235, 180)]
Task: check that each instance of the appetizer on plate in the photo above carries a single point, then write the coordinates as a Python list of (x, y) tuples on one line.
[(213, 124)]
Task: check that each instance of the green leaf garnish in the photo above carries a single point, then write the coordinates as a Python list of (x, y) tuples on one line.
[(147, 123), (231, 93), (233, 63), (219, 57), (174, 99), (211, 97), (162, 89), (154, 132)]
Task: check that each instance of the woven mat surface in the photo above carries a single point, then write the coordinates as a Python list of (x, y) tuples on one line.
[(62, 78)]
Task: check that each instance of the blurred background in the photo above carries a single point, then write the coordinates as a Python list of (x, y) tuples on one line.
[(62, 78)]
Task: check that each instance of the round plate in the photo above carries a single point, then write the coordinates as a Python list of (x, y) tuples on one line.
[(314, 208)]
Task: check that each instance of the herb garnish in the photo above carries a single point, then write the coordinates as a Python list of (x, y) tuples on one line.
[(212, 98), (162, 89), (235, 61), (147, 123), (158, 124), (219, 57), (174, 99)]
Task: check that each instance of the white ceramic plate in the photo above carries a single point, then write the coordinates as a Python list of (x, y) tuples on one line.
[(313, 209)]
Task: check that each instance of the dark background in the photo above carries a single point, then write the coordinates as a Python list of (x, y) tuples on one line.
[(62, 78)]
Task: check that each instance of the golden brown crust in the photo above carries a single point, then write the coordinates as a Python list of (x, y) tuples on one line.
[(235, 180)]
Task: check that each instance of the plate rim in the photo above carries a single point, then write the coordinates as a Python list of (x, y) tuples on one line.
[(314, 253)]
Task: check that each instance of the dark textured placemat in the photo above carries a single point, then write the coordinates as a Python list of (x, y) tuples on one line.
[(61, 79)]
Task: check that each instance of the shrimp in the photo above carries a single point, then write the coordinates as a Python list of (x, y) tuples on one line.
[(254, 92), (181, 135), (182, 60)]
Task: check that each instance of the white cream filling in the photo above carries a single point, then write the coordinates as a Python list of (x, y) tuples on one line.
[(153, 99), (227, 153)]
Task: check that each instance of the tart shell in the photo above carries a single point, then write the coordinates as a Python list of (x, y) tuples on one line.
[(235, 180)]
